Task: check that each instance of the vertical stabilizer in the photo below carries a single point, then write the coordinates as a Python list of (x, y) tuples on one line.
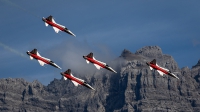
[(153, 62), (68, 72), (90, 55), (34, 51), (49, 18)]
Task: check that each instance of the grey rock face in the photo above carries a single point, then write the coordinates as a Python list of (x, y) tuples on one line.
[(134, 88), (197, 65)]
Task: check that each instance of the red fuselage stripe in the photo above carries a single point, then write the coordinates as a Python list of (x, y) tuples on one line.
[(40, 58), (73, 78), (96, 62), (158, 68), (55, 25)]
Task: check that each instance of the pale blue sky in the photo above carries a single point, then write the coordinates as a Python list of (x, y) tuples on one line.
[(103, 27)]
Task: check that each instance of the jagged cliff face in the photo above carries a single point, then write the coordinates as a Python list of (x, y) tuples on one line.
[(134, 88)]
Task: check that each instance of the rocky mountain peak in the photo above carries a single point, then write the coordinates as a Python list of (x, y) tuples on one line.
[(197, 65), (128, 55), (126, 52), (150, 51)]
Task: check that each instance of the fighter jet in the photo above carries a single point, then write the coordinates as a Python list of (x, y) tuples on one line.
[(57, 27), (98, 64), (161, 71), (42, 60), (76, 81)]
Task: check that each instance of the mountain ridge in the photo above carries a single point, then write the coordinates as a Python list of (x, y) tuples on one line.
[(134, 88)]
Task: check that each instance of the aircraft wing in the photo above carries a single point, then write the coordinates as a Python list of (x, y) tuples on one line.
[(97, 66), (75, 83), (41, 62), (56, 29), (161, 73), (38, 54), (150, 68), (53, 20)]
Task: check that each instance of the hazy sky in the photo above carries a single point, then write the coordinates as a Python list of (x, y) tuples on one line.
[(103, 27)]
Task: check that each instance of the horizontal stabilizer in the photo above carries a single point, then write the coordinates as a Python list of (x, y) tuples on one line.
[(31, 57), (87, 62), (97, 66), (75, 83), (151, 68), (46, 24)]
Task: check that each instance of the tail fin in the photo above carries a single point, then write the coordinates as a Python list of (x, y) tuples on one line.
[(34, 51), (90, 55), (68, 72), (49, 18), (153, 62)]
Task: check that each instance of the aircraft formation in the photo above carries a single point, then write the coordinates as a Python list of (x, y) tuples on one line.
[(89, 59)]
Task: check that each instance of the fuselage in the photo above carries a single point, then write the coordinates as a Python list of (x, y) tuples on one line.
[(158, 68), (99, 63), (54, 24), (39, 58), (72, 78), (95, 62)]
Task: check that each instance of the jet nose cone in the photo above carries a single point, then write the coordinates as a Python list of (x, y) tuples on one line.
[(28, 52), (84, 57)]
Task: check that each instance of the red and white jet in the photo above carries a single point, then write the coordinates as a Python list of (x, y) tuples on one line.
[(76, 81), (42, 60), (98, 64), (57, 27), (161, 71)]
